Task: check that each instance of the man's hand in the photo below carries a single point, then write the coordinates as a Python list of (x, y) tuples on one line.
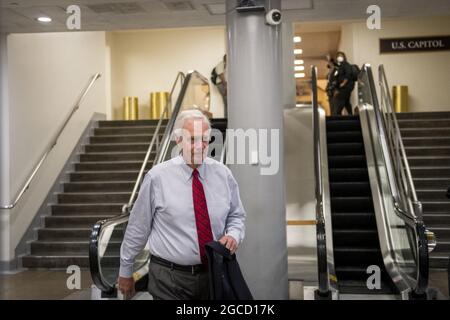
[(126, 286), (230, 243)]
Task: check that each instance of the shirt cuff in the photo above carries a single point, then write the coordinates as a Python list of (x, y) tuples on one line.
[(126, 271), (234, 234)]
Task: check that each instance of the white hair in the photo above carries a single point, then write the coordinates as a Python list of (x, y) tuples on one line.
[(188, 115)]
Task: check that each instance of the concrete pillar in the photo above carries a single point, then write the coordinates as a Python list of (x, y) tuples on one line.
[(255, 102), (4, 155), (288, 87)]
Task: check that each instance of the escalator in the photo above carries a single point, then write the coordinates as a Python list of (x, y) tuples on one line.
[(371, 239), (107, 235), (355, 234)]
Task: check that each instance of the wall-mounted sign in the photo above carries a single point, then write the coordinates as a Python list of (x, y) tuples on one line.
[(435, 43)]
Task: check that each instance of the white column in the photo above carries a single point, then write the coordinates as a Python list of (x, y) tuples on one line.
[(255, 102)]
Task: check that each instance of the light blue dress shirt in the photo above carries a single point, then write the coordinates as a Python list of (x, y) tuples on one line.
[(163, 213)]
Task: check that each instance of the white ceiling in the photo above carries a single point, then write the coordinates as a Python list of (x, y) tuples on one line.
[(20, 15)]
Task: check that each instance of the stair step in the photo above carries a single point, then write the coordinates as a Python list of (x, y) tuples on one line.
[(424, 123), (423, 115), (79, 197), (343, 125), (436, 219), (427, 151), (111, 165), (343, 189), (117, 147), (426, 141), (114, 156), (429, 161), (117, 186), (431, 183), (64, 248), (72, 221), (441, 232), (348, 175), (355, 238), (358, 161), (362, 257), (345, 136), (443, 246), (433, 195), (337, 149), (352, 204), (435, 206), (72, 234), (126, 175), (129, 123), (133, 130), (425, 132), (64, 261), (359, 287), (352, 220), (87, 209), (136, 138), (357, 273), (439, 261), (430, 172)]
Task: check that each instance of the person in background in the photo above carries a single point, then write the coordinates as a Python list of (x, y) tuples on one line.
[(219, 78), (345, 82), (331, 78)]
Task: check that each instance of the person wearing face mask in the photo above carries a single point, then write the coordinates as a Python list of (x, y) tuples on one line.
[(344, 86), (183, 204)]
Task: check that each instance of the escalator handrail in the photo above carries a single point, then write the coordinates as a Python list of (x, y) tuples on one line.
[(94, 263), (179, 78), (322, 264), (410, 212)]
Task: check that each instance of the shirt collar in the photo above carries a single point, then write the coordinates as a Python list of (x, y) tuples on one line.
[(187, 170)]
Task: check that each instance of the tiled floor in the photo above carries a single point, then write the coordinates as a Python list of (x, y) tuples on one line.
[(52, 285), (40, 284)]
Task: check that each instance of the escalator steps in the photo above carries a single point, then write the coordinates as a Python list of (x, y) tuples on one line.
[(355, 235)]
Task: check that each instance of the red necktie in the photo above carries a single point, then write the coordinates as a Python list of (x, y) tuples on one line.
[(202, 221)]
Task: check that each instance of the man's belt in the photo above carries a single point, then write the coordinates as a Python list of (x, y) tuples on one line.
[(192, 269)]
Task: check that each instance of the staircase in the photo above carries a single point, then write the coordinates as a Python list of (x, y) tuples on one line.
[(355, 235), (426, 136), (101, 182)]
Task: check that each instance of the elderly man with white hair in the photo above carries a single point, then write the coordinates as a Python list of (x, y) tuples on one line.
[(183, 204)]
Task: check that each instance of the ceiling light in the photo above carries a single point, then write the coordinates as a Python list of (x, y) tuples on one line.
[(298, 51), (298, 62), (297, 39), (44, 19), (300, 75), (299, 68)]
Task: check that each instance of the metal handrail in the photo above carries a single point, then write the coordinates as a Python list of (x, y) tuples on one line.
[(127, 207), (322, 263), (406, 205), (52, 144)]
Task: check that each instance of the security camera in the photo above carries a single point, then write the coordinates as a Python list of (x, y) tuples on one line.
[(273, 17)]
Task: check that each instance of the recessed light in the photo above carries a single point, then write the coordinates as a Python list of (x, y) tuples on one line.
[(299, 68), (297, 39), (44, 19), (298, 51), (298, 62), (300, 75)]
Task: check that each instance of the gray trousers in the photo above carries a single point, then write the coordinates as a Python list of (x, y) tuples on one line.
[(167, 284)]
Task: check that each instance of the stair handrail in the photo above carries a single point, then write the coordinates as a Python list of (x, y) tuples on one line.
[(52, 144), (406, 205), (179, 78), (322, 263)]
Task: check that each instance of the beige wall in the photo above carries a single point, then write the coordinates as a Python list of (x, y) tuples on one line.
[(147, 61), (427, 74), (47, 73)]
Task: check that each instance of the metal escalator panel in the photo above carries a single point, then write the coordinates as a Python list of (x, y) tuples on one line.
[(401, 233), (107, 235)]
